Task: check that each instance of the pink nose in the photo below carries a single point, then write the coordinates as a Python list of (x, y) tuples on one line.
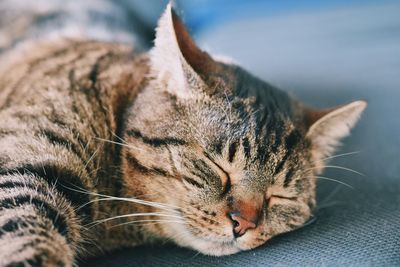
[(241, 224)]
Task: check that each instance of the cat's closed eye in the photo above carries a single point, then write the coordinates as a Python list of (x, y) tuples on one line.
[(276, 199), (223, 174)]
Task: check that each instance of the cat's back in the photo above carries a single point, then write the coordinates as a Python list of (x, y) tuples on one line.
[(60, 93), (57, 97), (47, 45), (50, 70)]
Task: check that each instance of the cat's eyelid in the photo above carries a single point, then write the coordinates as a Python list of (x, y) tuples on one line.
[(284, 197), (276, 199), (227, 180), (280, 194)]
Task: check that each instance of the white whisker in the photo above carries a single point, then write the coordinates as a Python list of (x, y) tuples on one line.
[(147, 222), (121, 144), (89, 160), (311, 220), (87, 144), (120, 138), (92, 156), (334, 180), (163, 206), (195, 255), (105, 199), (94, 223), (337, 167), (340, 155), (331, 194)]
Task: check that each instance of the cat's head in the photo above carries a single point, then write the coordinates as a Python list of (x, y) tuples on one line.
[(232, 158)]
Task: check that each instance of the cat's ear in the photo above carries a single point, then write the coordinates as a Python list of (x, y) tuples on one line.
[(176, 62), (327, 127)]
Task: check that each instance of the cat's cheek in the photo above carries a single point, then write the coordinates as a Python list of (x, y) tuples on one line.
[(284, 217)]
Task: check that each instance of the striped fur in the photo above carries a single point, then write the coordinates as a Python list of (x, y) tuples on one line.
[(50, 131), (103, 148), (38, 226)]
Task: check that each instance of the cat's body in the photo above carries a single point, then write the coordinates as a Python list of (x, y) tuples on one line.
[(177, 145), (56, 105)]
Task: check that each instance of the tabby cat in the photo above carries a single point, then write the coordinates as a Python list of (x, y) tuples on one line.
[(102, 148)]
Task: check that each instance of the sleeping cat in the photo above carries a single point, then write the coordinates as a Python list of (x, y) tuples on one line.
[(103, 148)]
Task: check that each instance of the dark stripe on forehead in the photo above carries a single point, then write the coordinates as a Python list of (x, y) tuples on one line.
[(288, 177), (292, 139), (261, 146), (218, 146), (262, 154), (276, 128), (290, 142), (155, 141), (279, 167), (246, 147), (232, 151)]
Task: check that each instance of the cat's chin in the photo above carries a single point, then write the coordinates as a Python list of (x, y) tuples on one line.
[(215, 248), (204, 246)]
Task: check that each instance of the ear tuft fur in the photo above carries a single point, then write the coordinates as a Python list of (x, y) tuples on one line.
[(333, 125), (168, 64)]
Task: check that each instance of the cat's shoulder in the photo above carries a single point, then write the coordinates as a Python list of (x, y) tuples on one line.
[(55, 48)]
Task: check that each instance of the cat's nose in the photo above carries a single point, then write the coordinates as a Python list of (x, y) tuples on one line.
[(242, 223)]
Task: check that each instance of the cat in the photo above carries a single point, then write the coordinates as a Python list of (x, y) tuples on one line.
[(102, 148)]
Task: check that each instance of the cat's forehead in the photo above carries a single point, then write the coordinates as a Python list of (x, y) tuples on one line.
[(245, 137), (232, 118)]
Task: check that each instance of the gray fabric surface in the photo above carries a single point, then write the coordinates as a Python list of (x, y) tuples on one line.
[(353, 227)]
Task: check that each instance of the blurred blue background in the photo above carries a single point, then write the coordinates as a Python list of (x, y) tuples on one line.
[(203, 13), (292, 43)]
